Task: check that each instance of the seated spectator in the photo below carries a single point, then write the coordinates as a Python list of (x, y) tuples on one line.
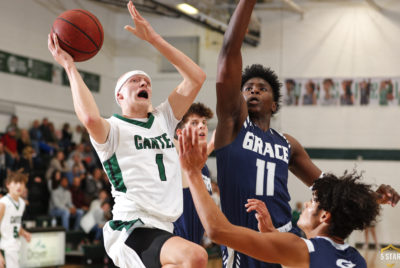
[(6, 164), (10, 144), (26, 161), (77, 135), (75, 168), (99, 213), (61, 205), (56, 163), (14, 124), (94, 184), (55, 180), (78, 196), (23, 141), (66, 137)]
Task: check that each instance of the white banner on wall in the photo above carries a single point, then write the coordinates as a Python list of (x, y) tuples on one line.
[(341, 91)]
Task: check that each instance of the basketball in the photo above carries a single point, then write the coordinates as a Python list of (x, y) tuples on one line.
[(79, 33)]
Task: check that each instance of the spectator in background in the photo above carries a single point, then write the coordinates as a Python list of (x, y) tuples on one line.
[(26, 161), (53, 138), (35, 135), (94, 184), (66, 138), (77, 135), (310, 98), (10, 144), (56, 163), (61, 205), (329, 88), (6, 164), (75, 168), (23, 141), (97, 215), (14, 124), (55, 180), (45, 130), (89, 157), (347, 98), (78, 196), (38, 197)]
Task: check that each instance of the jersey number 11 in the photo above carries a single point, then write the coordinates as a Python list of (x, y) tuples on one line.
[(260, 177)]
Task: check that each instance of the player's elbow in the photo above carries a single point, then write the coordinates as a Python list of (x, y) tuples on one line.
[(89, 121), (199, 79), (215, 233)]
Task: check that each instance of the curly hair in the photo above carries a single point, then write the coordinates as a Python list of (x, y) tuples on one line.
[(257, 70), (197, 108), (352, 204)]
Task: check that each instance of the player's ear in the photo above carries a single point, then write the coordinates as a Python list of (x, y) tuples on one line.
[(273, 108), (325, 217)]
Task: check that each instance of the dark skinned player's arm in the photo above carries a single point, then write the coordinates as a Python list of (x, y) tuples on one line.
[(231, 107), (300, 163)]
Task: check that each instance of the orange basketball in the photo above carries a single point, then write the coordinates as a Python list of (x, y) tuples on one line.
[(79, 33)]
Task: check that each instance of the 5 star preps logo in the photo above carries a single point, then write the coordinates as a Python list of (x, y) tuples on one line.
[(390, 256)]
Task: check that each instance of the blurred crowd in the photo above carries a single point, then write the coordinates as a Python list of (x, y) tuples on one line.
[(66, 179)]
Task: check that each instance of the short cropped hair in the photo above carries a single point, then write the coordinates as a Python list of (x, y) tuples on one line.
[(352, 204), (17, 176), (197, 108), (257, 70)]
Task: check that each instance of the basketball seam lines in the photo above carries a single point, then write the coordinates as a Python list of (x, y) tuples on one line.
[(79, 29), (95, 22), (84, 52)]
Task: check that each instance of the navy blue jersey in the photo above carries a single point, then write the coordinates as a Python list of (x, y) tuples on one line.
[(188, 225), (254, 165), (328, 254)]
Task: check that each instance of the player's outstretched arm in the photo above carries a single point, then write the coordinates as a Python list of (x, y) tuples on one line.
[(231, 107), (193, 76), (84, 103), (284, 248)]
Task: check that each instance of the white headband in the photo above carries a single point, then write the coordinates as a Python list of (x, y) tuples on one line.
[(125, 78)]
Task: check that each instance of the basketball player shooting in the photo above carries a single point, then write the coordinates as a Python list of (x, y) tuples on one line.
[(137, 152)]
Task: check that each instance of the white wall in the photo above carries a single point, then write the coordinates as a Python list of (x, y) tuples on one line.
[(335, 38)]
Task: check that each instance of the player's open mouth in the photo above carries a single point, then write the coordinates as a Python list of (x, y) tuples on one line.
[(253, 100), (143, 94), (202, 134)]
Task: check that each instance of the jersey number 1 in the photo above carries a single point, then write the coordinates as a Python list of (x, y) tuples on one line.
[(161, 167), (260, 177)]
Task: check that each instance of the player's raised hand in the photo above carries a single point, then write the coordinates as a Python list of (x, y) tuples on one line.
[(192, 154), (387, 195), (262, 215), (142, 29), (60, 56)]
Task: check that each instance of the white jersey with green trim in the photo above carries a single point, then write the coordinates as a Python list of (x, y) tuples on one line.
[(143, 167), (11, 223)]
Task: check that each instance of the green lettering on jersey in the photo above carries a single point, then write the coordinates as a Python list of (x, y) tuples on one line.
[(154, 144), (167, 141), (137, 144), (146, 143), (161, 142)]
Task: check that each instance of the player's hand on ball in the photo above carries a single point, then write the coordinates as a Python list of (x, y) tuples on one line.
[(192, 154), (142, 29), (62, 57)]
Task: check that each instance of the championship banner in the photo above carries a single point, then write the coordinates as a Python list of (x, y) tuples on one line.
[(341, 91)]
